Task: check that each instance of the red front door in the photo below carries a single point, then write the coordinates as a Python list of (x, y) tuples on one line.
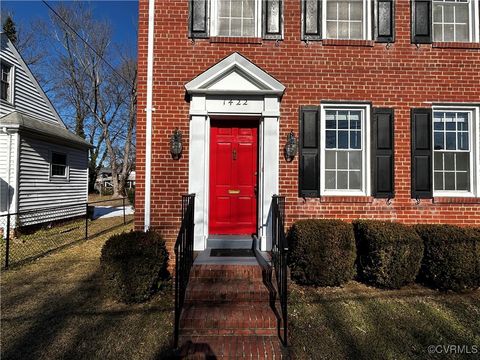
[(233, 177)]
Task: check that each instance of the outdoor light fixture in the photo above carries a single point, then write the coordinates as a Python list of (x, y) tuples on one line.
[(291, 147), (176, 144)]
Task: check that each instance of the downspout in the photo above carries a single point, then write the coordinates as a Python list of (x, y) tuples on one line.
[(149, 110)]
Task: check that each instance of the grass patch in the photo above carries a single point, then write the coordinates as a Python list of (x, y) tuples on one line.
[(31, 245), (361, 322), (55, 308)]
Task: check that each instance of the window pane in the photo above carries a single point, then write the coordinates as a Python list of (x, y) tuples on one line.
[(437, 32), (356, 31), (461, 14), (450, 119), (331, 139), (342, 160), (330, 159), (463, 161), (438, 181), (438, 141), (248, 27), (236, 29), (462, 33), (330, 180), (331, 10), (58, 170), (437, 13), (462, 121), (355, 121), (343, 139), (224, 8), (343, 30), (59, 159), (342, 115), (223, 27), (449, 32), (449, 181), (355, 160), (463, 141), (331, 124), (356, 10), (449, 161), (355, 140), (249, 9), (448, 13), (331, 30), (463, 181), (342, 180), (450, 140), (342, 10), (355, 180), (438, 161), (438, 124)]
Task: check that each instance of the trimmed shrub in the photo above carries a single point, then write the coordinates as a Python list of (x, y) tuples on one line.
[(134, 265), (322, 252), (389, 254), (452, 257)]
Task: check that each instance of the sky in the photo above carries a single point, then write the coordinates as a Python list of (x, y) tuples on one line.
[(122, 15)]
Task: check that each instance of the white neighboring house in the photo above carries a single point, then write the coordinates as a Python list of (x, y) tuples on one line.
[(42, 164)]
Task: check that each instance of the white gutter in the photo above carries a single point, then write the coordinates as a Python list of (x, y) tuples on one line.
[(149, 110)]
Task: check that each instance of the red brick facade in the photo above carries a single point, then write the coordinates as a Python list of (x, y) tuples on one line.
[(401, 76)]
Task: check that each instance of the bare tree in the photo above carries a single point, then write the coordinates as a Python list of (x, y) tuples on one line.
[(101, 96)]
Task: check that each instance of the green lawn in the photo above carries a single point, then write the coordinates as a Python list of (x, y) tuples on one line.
[(361, 322), (55, 308)]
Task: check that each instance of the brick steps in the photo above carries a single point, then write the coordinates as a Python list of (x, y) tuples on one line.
[(205, 291), (227, 315), (231, 347), (229, 319)]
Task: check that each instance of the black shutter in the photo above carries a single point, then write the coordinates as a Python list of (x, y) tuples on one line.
[(311, 19), (272, 23), (309, 155), (384, 21), (382, 153), (198, 19), (421, 21), (421, 153)]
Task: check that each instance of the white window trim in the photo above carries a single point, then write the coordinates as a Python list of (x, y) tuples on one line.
[(11, 82), (475, 151), (367, 20), (65, 177), (214, 22), (474, 19), (366, 167)]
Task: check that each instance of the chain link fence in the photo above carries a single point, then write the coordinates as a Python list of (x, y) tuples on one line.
[(27, 235)]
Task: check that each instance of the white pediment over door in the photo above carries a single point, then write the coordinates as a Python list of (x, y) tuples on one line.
[(235, 74)]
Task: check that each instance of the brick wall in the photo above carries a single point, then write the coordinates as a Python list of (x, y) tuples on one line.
[(402, 76)]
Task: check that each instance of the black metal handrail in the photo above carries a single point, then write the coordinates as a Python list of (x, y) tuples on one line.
[(183, 257), (279, 259)]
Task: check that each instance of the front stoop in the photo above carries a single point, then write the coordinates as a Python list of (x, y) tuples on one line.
[(227, 315)]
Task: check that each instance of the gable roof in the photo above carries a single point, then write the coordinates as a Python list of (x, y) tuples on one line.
[(6, 43), (235, 74)]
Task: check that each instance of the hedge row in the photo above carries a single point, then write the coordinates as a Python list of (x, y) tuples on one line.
[(385, 254)]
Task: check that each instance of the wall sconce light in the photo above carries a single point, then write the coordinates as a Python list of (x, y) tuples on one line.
[(176, 145), (290, 147)]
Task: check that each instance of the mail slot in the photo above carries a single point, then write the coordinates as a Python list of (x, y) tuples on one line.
[(234, 191)]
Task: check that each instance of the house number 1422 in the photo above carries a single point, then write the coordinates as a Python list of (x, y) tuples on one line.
[(235, 102)]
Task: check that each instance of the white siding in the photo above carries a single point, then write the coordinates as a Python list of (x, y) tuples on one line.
[(8, 163), (28, 96), (38, 191)]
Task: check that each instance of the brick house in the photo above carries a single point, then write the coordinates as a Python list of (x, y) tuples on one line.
[(382, 96)]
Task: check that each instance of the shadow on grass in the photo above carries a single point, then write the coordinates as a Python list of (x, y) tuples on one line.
[(80, 323), (364, 323)]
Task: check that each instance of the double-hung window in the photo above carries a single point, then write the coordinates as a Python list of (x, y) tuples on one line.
[(236, 18), (344, 150), (455, 143), (58, 165), (455, 20), (346, 19), (6, 82)]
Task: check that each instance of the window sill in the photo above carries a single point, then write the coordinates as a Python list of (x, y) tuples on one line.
[(339, 42), (456, 45), (346, 199), (236, 40), (456, 200)]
